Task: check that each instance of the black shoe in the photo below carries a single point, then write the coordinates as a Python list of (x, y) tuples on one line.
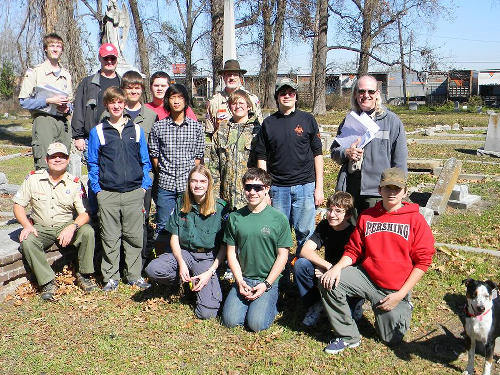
[(48, 291), (85, 283)]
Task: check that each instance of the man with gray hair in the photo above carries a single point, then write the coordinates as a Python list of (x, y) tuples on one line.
[(362, 167)]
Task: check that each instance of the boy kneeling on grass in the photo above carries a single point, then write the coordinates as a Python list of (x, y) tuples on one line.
[(333, 233), (258, 239), (119, 168), (387, 254)]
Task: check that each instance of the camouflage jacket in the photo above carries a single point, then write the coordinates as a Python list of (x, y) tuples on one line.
[(231, 153)]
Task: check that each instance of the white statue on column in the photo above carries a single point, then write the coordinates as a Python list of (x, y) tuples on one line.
[(114, 20)]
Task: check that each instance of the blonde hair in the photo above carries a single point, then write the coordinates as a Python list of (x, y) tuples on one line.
[(207, 207), (354, 96), (237, 94)]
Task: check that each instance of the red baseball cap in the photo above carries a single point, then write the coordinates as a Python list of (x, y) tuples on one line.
[(107, 49)]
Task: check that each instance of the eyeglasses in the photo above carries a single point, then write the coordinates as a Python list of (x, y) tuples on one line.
[(363, 91), (337, 211), (256, 187)]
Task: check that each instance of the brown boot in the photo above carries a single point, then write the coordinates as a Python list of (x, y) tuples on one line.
[(48, 291), (85, 283)]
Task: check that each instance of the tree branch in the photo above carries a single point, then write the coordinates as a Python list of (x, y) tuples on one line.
[(180, 14), (94, 13)]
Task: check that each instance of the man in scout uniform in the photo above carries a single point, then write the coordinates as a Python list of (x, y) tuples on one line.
[(55, 198), (46, 92), (218, 107)]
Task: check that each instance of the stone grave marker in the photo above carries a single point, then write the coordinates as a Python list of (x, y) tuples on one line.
[(444, 186), (75, 165), (493, 135), (413, 106), (461, 199)]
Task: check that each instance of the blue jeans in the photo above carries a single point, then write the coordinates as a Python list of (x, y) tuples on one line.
[(258, 314), (297, 204), (165, 205), (306, 281)]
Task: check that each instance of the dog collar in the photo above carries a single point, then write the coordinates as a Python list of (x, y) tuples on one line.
[(478, 316)]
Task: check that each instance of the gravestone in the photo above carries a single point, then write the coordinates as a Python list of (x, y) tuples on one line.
[(493, 134), (461, 199), (413, 106), (75, 165), (457, 106), (444, 186)]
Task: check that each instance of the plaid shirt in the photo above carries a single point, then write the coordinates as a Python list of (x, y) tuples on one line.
[(176, 147)]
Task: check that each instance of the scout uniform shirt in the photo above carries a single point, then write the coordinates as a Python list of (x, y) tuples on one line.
[(218, 110), (52, 205), (44, 74)]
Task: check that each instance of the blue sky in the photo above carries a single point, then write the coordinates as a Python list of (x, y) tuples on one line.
[(468, 39)]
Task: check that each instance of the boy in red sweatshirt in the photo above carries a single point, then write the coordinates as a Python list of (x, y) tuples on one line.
[(387, 254)]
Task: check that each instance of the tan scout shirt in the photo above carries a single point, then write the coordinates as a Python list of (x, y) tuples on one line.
[(51, 204), (43, 74), (218, 110)]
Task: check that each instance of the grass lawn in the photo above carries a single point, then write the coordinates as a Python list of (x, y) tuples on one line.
[(155, 332)]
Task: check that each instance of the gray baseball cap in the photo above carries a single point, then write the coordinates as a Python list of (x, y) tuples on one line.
[(285, 81)]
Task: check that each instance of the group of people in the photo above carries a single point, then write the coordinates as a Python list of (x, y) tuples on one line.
[(261, 178)]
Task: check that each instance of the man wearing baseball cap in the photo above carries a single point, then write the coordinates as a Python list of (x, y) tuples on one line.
[(289, 148), (56, 197), (218, 107), (88, 105)]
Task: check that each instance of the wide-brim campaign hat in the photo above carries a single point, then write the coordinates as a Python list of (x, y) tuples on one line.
[(232, 66)]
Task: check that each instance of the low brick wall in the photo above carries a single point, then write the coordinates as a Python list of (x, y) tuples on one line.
[(14, 270)]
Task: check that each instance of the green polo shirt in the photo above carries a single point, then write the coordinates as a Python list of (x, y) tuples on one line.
[(198, 231), (257, 237)]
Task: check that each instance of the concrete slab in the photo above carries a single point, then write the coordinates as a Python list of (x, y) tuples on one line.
[(425, 164), (444, 185), (462, 142), (427, 213), (459, 192), (493, 135), (464, 203)]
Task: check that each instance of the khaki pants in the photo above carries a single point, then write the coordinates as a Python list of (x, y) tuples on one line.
[(46, 130), (390, 325), (33, 249), (121, 219)]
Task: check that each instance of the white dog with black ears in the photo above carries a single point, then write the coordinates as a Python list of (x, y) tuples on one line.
[(482, 321)]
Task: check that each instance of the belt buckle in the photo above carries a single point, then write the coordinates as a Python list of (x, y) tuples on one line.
[(201, 250)]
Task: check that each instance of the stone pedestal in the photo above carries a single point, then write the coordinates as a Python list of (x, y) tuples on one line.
[(492, 145)]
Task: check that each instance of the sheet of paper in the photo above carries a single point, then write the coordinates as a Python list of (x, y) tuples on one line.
[(45, 92), (357, 126)]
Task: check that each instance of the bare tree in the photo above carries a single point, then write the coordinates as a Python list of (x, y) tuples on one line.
[(320, 50), (370, 24), (183, 41), (142, 47), (96, 14), (216, 37), (273, 17)]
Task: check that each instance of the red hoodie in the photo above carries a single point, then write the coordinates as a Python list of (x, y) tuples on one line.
[(163, 113), (388, 245)]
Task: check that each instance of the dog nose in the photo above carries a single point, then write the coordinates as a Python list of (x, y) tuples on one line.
[(481, 308)]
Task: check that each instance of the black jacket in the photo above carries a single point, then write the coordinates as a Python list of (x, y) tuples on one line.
[(85, 115)]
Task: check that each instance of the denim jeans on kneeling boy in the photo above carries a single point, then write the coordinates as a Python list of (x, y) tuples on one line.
[(257, 315), (165, 205)]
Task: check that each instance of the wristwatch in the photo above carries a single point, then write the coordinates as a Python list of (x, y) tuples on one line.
[(268, 286), (76, 226)]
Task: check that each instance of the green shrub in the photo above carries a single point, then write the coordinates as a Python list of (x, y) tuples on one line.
[(7, 81)]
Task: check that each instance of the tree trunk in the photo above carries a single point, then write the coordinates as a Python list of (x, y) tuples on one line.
[(142, 47), (319, 93), (366, 36), (314, 50), (58, 16), (402, 57), (189, 48), (271, 48), (216, 37)]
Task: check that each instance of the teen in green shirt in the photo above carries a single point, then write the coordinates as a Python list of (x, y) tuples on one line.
[(258, 238)]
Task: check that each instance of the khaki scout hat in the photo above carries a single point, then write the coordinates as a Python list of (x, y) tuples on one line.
[(393, 176), (232, 66), (282, 82), (56, 147)]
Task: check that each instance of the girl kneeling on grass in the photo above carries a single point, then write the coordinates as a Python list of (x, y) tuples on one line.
[(196, 228)]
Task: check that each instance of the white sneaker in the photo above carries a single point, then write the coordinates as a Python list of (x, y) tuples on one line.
[(313, 314)]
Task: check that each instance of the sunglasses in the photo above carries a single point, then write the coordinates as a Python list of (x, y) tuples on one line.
[(362, 92), (256, 187), (290, 93), (111, 58)]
